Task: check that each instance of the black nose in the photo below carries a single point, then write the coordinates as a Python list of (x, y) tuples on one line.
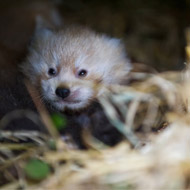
[(62, 92)]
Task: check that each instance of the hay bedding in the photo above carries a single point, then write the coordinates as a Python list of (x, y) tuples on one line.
[(143, 160)]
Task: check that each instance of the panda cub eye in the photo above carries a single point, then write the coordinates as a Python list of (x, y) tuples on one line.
[(52, 72), (82, 73)]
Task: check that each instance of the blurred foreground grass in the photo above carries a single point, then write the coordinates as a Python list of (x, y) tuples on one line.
[(145, 161)]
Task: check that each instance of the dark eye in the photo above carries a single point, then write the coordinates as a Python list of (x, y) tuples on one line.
[(82, 73), (52, 72)]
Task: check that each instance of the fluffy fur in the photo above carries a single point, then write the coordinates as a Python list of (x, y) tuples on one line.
[(68, 51)]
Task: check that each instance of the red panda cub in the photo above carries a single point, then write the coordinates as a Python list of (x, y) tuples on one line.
[(65, 64)]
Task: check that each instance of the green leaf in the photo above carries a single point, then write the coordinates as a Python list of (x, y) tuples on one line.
[(36, 169), (59, 121), (52, 144)]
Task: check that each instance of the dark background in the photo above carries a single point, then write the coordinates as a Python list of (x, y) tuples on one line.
[(153, 32)]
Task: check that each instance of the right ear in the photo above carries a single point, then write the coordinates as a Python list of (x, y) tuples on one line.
[(43, 29)]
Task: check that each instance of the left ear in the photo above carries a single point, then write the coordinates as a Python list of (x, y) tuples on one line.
[(115, 41)]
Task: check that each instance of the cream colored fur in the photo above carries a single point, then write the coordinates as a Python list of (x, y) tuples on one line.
[(69, 51)]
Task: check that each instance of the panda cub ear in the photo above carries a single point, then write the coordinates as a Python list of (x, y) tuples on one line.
[(115, 42), (43, 29)]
